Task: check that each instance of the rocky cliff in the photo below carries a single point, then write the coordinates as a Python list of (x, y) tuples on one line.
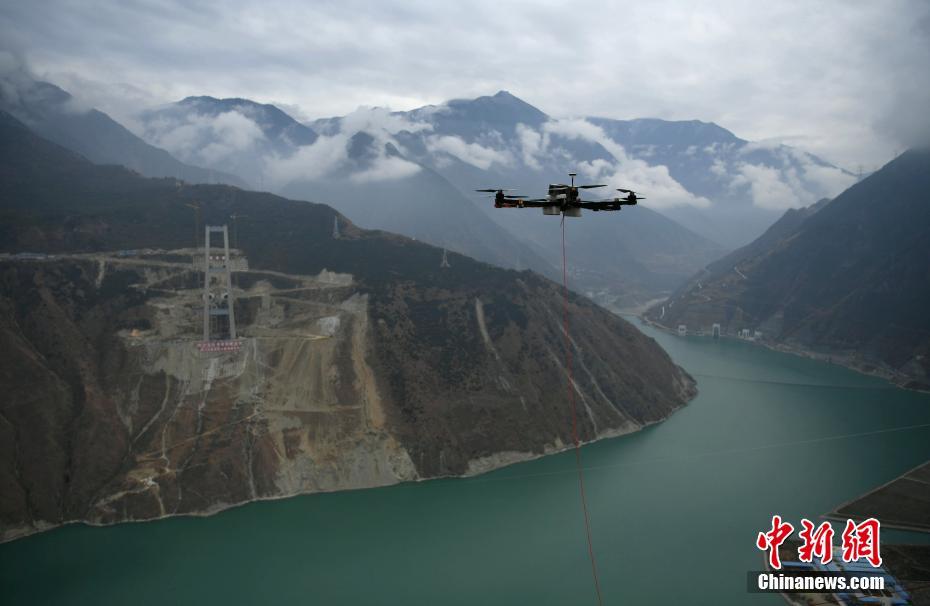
[(362, 361)]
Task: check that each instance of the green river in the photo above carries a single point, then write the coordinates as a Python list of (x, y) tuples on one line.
[(674, 510)]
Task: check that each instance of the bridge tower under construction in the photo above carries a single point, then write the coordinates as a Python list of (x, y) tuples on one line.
[(219, 318)]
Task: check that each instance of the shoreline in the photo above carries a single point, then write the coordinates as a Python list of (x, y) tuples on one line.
[(897, 379), (483, 465), (899, 523)]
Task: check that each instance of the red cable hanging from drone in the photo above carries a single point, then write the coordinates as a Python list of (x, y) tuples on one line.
[(565, 201), (571, 400)]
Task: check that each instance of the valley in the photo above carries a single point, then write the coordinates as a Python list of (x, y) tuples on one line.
[(757, 412), (464, 303), (362, 360), (844, 280)]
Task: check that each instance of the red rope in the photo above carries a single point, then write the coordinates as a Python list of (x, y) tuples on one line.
[(571, 399)]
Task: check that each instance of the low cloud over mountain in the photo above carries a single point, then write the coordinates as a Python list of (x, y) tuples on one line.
[(414, 172)]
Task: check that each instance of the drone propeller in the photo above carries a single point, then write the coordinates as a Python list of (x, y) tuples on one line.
[(507, 196), (493, 190), (632, 195), (564, 187), (616, 200)]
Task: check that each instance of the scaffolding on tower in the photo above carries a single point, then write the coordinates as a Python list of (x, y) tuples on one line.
[(219, 318)]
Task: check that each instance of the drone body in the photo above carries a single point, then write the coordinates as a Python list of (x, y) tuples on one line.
[(563, 199)]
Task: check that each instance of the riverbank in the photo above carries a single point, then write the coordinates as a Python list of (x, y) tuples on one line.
[(902, 503), (476, 467), (336, 384), (515, 535), (850, 360)]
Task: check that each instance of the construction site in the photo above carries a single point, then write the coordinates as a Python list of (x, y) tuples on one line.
[(236, 383), (152, 373)]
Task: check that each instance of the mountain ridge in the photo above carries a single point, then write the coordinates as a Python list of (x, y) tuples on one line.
[(424, 206), (845, 280), (501, 140), (362, 362), (52, 112)]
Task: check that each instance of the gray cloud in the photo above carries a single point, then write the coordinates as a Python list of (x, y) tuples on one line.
[(330, 152), (470, 153), (206, 139), (624, 171), (849, 78)]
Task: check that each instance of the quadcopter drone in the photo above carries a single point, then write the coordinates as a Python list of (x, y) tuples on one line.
[(563, 199)]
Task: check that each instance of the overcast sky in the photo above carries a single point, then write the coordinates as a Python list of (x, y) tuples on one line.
[(847, 80)]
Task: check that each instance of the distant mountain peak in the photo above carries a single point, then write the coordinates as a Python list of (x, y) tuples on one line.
[(282, 131), (196, 98), (218, 105), (501, 98), (54, 114), (361, 147), (225, 102), (34, 94), (656, 131), (501, 111)]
